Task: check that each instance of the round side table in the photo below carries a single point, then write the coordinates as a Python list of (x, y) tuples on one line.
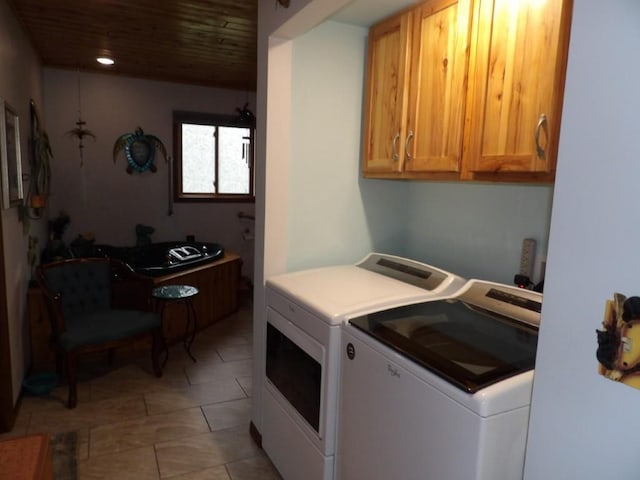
[(178, 294)]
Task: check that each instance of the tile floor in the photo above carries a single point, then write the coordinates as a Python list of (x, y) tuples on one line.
[(191, 424)]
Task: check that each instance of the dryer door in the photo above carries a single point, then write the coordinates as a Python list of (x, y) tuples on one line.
[(294, 367)]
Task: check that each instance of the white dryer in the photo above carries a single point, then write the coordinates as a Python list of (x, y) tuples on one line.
[(305, 311)]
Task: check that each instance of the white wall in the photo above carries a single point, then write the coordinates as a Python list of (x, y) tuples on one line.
[(583, 425), (101, 197), (333, 217), (20, 80), (276, 27)]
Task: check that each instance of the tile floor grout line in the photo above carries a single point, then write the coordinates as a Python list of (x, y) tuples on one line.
[(146, 405), (206, 419), (121, 407), (155, 454), (242, 388), (88, 442)]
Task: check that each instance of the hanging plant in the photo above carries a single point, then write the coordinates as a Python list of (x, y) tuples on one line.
[(80, 132), (245, 115), (42, 168), (40, 175)]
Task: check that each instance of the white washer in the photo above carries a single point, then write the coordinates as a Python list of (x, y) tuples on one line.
[(305, 311), (439, 389)]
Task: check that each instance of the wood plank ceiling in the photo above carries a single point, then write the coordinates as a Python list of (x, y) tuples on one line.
[(201, 42)]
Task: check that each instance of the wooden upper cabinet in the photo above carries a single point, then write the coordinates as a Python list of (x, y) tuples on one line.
[(519, 63), (439, 64), (467, 89), (417, 69), (387, 95)]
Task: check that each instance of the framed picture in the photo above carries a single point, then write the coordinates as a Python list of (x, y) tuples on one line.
[(10, 160)]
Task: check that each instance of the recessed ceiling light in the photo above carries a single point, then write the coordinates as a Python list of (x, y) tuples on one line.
[(105, 60)]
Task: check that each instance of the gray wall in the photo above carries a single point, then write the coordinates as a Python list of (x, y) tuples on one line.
[(333, 216), (100, 197), (20, 81), (336, 216), (476, 230), (582, 424)]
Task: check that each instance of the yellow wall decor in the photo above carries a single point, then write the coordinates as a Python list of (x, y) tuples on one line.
[(618, 350)]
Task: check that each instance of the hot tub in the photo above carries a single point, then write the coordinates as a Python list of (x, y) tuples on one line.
[(164, 258)]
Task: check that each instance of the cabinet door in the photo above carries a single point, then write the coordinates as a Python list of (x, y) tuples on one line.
[(518, 83), (386, 98), (440, 57)]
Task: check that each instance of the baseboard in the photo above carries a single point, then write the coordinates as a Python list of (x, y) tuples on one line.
[(255, 434)]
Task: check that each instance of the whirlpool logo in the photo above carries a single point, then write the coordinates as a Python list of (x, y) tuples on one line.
[(351, 351)]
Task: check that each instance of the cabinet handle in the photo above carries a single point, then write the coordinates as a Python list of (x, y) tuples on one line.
[(393, 147), (406, 145), (542, 123)]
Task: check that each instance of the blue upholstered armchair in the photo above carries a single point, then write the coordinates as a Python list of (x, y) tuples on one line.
[(97, 304)]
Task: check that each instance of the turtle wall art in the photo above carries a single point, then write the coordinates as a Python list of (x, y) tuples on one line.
[(139, 150)]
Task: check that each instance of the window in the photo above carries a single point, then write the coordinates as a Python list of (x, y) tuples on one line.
[(213, 157)]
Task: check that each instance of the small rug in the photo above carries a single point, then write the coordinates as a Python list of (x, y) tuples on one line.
[(63, 449)]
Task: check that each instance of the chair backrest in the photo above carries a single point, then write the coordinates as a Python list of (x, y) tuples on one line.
[(84, 285)]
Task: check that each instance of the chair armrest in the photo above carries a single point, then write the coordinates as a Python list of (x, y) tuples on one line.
[(129, 290), (53, 302)]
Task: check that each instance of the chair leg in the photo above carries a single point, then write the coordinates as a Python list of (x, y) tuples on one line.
[(158, 341), (59, 364), (111, 356), (72, 380)]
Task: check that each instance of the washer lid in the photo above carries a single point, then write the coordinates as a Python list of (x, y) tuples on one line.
[(378, 281), (468, 346), (333, 292)]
